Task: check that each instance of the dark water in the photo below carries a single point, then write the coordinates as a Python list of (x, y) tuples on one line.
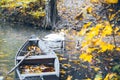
[(12, 36)]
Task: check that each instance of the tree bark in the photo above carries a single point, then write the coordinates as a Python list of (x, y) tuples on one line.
[(51, 14)]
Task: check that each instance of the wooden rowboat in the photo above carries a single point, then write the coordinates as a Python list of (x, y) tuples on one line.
[(41, 64)]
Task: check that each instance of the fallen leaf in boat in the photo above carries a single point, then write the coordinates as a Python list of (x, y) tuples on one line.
[(36, 49), (36, 68)]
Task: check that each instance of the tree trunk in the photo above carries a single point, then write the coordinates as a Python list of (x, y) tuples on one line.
[(51, 14)]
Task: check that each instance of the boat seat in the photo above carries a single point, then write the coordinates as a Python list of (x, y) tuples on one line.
[(37, 57)]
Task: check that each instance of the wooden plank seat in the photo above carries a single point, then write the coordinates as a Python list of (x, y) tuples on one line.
[(37, 57)]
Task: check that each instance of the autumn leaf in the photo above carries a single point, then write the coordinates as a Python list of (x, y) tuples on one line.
[(90, 50), (89, 9), (118, 33), (118, 48), (69, 77), (87, 79), (82, 32), (111, 76), (98, 77), (79, 16), (61, 58), (115, 30), (111, 16), (95, 68), (67, 65), (96, 42), (62, 71), (86, 43), (86, 57), (87, 25), (37, 14), (99, 26), (111, 10), (107, 31), (105, 46), (91, 34)]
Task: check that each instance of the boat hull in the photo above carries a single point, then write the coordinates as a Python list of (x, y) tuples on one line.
[(48, 57)]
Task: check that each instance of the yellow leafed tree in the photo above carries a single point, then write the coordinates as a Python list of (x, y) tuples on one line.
[(94, 40)]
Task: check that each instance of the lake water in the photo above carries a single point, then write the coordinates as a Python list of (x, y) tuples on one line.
[(12, 36)]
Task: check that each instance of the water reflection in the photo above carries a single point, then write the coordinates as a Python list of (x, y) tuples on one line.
[(12, 36)]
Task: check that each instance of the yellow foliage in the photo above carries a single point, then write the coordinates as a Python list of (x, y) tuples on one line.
[(67, 65), (86, 43), (90, 50), (37, 14), (115, 30), (110, 10), (86, 57), (82, 32), (95, 68), (94, 1), (89, 9), (69, 77), (105, 46), (62, 71), (107, 31), (99, 26), (25, 5), (112, 16), (87, 79), (98, 78), (118, 48), (84, 29), (87, 25), (118, 33), (111, 76), (61, 58), (93, 32), (96, 42), (111, 1), (12, 4)]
